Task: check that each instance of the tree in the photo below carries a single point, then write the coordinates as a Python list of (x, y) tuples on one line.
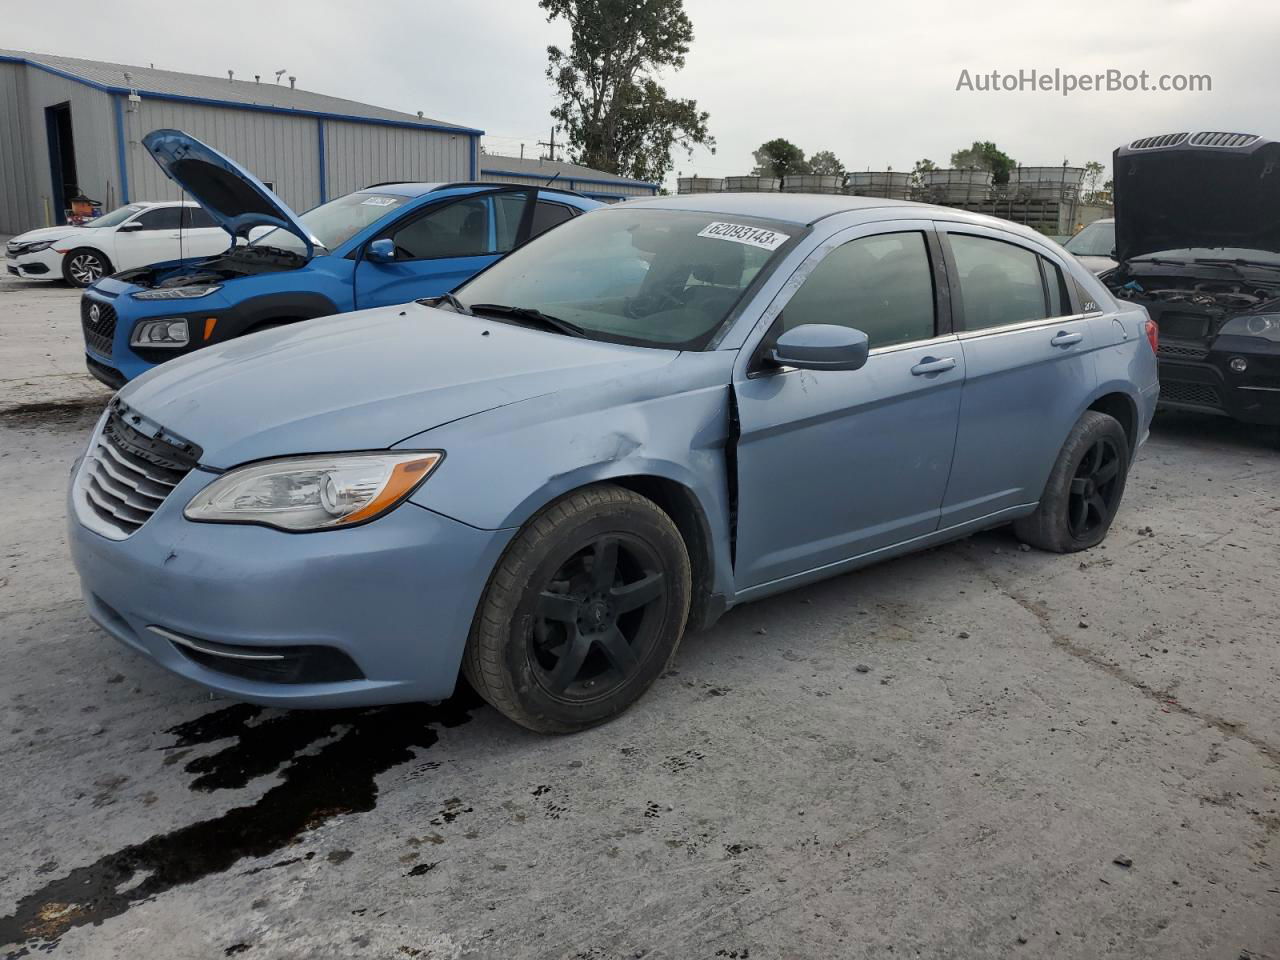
[(826, 162), (1093, 172), (985, 155), (616, 116), (779, 158), (922, 166)]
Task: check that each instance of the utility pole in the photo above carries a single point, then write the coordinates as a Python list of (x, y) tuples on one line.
[(551, 144)]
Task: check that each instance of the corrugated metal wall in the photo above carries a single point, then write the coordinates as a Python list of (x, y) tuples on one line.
[(28, 189), (278, 148), (360, 154), (18, 206)]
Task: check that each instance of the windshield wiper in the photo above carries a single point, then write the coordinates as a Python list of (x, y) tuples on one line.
[(1237, 263), (1176, 263), (547, 321), (450, 299)]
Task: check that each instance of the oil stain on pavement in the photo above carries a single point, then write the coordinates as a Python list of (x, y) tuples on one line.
[(337, 778)]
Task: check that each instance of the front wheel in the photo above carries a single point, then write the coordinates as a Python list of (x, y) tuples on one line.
[(582, 613), (82, 267), (1084, 489)]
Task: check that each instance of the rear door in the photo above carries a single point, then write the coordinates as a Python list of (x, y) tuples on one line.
[(439, 248), (1028, 363), (836, 464), (201, 235)]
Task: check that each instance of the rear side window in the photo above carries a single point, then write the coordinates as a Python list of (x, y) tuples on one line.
[(1000, 282), (547, 215), (460, 229), (197, 218), (164, 218), (881, 285), (1056, 287), (508, 210)]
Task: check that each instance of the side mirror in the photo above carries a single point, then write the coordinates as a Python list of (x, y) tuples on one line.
[(129, 227), (381, 251), (821, 346)]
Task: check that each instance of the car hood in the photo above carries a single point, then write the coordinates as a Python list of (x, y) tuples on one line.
[(362, 381), (44, 233), (229, 193), (1179, 191)]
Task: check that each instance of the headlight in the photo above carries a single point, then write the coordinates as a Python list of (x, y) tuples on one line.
[(37, 246), (313, 493), (160, 333), (177, 293), (1266, 325)]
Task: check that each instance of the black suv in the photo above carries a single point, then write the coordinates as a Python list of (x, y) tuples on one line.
[(1198, 244)]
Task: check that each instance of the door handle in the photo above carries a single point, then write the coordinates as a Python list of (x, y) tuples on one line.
[(1065, 339), (933, 365)]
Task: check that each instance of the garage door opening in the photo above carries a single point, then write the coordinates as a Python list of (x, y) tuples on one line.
[(62, 159)]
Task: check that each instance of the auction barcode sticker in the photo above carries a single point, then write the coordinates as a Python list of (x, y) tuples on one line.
[(741, 233)]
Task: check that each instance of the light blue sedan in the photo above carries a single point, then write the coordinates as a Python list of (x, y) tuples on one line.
[(653, 413)]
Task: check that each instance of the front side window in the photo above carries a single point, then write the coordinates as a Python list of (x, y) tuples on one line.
[(881, 285), (458, 229), (663, 278), (335, 222), (999, 282), (164, 218)]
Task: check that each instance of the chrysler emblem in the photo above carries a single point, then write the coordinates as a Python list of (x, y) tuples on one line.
[(95, 312)]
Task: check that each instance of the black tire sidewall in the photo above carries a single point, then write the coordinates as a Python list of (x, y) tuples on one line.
[(532, 571), (1050, 528)]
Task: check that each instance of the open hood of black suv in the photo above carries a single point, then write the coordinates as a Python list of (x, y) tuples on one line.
[(1181, 190)]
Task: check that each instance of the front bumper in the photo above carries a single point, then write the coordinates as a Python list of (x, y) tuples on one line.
[(396, 596), (45, 265), (1197, 377)]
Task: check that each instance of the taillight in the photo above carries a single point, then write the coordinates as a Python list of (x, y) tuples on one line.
[(1153, 336)]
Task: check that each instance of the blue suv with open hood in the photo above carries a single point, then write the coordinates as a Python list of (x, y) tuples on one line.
[(387, 244)]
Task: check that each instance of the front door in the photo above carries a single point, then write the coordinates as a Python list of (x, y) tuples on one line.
[(833, 465), (154, 239), (1028, 364), (439, 249)]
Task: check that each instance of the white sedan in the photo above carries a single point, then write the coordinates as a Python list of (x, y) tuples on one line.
[(131, 236)]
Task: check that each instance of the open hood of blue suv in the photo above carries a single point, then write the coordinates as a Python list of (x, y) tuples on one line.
[(233, 196)]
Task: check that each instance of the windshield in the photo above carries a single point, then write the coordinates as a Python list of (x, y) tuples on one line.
[(116, 216), (335, 222), (662, 278), (1098, 239)]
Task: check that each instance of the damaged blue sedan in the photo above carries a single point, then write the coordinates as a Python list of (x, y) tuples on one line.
[(653, 413)]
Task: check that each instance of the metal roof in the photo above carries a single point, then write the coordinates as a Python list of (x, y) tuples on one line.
[(492, 164), (244, 93)]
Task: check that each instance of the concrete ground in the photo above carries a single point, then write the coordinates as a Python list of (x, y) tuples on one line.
[(972, 752)]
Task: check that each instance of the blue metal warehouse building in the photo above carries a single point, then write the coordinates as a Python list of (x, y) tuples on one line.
[(72, 126)]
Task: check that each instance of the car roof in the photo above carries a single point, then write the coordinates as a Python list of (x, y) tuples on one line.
[(414, 189), (792, 207)]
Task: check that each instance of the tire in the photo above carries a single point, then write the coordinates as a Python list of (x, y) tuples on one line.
[(82, 266), (544, 647), (1084, 489)]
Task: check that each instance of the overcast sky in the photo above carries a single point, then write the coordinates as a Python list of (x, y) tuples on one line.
[(873, 82)]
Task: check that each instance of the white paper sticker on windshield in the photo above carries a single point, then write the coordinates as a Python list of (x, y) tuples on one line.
[(380, 202), (741, 233)]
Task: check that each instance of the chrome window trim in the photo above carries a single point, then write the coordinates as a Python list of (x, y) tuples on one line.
[(911, 345), (1023, 325)]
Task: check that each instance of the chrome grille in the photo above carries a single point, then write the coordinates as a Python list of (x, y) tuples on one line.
[(1164, 140), (98, 320), (128, 474), (1211, 139)]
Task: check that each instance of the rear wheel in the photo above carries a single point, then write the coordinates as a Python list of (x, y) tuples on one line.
[(82, 267), (582, 613), (1084, 489)]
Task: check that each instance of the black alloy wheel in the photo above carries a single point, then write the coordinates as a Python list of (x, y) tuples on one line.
[(1094, 490)]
